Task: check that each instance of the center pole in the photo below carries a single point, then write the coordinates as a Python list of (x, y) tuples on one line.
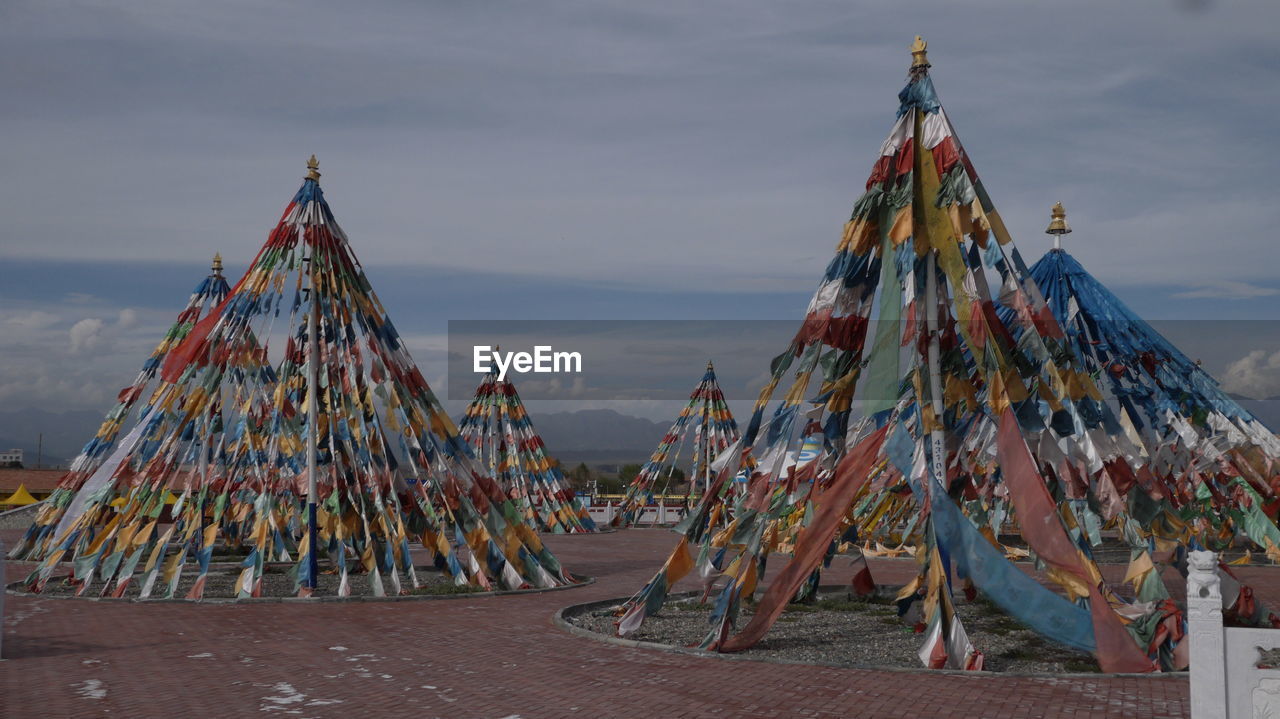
[(206, 442), (937, 440), (313, 397), (706, 440), (706, 462)]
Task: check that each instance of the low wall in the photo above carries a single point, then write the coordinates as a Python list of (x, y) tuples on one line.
[(1226, 679), (649, 516)]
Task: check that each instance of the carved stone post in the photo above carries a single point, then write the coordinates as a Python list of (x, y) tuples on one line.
[(1204, 627), (4, 580)]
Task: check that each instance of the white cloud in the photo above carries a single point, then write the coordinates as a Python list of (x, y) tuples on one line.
[(662, 146), (86, 335), (1228, 290), (33, 320), (54, 388), (659, 145), (1256, 375), (44, 345)]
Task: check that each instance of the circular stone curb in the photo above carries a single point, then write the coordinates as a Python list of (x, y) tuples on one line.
[(14, 589), (562, 616)]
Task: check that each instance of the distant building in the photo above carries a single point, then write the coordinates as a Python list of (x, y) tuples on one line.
[(13, 456), (39, 482)]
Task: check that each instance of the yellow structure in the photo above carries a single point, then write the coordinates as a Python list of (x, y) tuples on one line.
[(20, 498)]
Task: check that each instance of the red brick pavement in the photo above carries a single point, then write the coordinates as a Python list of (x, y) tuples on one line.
[(487, 657)]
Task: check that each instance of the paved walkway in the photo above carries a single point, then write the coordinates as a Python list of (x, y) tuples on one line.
[(492, 657)]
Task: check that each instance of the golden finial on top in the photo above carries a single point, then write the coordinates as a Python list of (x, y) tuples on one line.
[(313, 168), (217, 263), (919, 53), (709, 366), (1058, 221)]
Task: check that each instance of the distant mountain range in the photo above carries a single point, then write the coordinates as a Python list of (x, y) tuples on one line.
[(1267, 410), (599, 437), (594, 436), (598, 429), (65, 433)]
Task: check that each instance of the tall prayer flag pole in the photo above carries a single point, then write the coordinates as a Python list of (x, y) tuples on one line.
[(313, 396)]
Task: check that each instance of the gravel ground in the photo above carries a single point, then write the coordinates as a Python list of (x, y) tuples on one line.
[(838, 631), (276, 582), (19, 518)]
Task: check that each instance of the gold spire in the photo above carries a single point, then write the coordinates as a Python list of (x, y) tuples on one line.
[(313, 168), (919, 54), (709, 366), (1058, 222), (217, 263)]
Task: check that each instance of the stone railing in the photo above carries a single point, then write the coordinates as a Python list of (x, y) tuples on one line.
[(1229, 677), (3, 581), (659, 515)]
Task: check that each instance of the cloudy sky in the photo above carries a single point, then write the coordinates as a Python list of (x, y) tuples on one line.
[(602, 160)]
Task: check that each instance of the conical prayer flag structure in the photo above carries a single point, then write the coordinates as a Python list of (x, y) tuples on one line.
[(1207, 455), (1160, 392), (207, 295), (505, 442), (981, 417), (707, 418), (340, 449)]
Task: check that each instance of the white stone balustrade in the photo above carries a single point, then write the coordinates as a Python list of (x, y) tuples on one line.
[(4, 580), (1226, 682)]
